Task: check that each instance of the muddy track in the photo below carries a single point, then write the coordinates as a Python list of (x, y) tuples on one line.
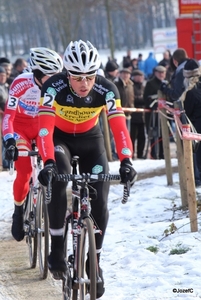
[(18, 281)]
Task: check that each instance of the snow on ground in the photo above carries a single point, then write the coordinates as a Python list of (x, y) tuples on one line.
[(139, 260)]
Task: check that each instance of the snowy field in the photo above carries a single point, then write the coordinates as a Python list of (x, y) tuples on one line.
[(142, 258)]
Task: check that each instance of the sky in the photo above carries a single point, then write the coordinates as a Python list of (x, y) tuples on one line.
[(139, 260)]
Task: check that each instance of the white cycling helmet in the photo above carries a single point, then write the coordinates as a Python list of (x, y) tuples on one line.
[(81, 57), (47, 61)]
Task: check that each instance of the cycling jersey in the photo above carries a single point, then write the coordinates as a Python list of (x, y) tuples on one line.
[(22, 105), (21, 122), (62, 109)]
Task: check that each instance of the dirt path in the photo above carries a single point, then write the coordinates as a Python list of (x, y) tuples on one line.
[(18, 281)]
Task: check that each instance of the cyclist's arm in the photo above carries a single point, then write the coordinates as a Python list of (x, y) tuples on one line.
[(46, 122), (117, 121)]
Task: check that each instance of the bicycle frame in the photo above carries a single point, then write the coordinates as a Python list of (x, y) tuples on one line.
[(83, 230)]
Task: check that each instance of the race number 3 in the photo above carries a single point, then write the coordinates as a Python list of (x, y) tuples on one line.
[(48, 100), (12, 102)]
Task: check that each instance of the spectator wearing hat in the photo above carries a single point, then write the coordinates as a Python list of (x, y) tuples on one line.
[(126, 91), (3, 99), (137, 118), (175, 87), (192, 105), (111, 70), (149, 64), (152, 119)]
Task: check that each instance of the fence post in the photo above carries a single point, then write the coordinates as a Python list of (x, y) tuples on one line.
[(187, 171), (106, 134), (181, 168), (166, 139)]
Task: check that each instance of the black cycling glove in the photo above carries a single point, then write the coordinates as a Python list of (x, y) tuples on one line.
[(127, 172), (11, 151), (49, 171)]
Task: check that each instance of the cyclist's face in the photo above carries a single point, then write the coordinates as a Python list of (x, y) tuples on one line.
[(82, 84)]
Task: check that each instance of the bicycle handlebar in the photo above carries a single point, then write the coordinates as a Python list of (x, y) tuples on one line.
[(96, 177), (27, 153)]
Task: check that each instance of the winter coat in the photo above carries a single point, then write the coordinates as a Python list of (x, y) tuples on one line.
[(126, 92), (149, 64), (138, 117)]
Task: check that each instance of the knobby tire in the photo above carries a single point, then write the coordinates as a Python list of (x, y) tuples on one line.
[(42, 225), (87, 245), (30, 223)]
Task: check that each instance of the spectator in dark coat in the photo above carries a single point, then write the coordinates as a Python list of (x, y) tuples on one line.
[(137, 118), (174, 90), (151, 119)]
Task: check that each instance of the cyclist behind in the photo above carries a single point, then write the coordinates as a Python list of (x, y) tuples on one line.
[(20, 124), (68, 126)]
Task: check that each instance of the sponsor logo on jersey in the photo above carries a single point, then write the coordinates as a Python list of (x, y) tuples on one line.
[(43, 132), (88, 99), (109, 96), (97, 169), (51, 91), (99, 88), (126, 151), (59, 85), (69, 99)]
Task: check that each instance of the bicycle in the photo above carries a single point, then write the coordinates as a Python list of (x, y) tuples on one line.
[(79, 235), (36, 223)]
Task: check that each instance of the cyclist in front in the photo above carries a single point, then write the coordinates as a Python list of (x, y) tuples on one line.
[(20, 124), (68, 126)]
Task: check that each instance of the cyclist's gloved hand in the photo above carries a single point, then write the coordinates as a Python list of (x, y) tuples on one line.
[(11, 151), (50, 169), (127, 172)]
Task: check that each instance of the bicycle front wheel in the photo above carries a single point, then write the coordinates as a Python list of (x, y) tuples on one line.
[(87, 250), (42, 224), (30, 228)]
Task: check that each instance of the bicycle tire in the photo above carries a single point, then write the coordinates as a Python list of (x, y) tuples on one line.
[(68, 254), (42, 225), (30, 228), (87, 245)]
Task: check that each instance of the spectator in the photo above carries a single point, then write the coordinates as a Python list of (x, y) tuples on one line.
[(165, 62), (174, 89), (19, 65), (152, 119), (137, 118), (127, 60), (3, 99), (140, 63), (126, 91), (8, 67), (192, 106), (111, 70), (149, 65), (134, 65)]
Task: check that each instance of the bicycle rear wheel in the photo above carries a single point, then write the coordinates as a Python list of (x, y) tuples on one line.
[(42, 225), (30, 228), (87, 246)]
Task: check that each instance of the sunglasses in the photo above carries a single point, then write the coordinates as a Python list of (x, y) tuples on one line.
[(80, 78)]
